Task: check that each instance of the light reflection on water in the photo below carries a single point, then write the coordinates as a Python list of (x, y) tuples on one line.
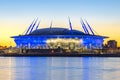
[(59, 68)]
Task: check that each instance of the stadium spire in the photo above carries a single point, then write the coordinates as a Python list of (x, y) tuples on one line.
[(29, 27), (90, 28), (84, 27), (37, 25), (51, 25), (33, 26), (70, 24)]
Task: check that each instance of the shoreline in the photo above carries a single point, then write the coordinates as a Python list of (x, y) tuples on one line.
[(59, 55)]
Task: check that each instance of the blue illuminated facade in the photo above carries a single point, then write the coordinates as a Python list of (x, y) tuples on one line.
[(49, 38)]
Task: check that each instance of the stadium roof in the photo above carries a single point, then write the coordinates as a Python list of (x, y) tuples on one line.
[(56, 31)]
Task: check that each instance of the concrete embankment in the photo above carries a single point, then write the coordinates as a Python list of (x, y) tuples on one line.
[(60, 55)]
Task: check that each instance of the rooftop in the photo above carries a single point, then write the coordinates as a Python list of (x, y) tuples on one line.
[(56, 31)]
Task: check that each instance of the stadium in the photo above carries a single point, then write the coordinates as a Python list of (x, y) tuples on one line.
[(59, 38)]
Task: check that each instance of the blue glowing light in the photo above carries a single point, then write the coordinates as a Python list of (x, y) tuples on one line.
[(39, 37), (37, 41)]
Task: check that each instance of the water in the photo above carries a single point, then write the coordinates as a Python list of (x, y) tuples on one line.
[(59, 68)]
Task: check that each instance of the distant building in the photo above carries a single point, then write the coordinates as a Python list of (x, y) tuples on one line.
[(3, 47), (112, 44)]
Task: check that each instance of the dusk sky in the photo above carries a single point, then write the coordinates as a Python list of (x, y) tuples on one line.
[(16, 16)]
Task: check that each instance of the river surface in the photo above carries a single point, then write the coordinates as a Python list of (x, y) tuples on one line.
[(59, 68)]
